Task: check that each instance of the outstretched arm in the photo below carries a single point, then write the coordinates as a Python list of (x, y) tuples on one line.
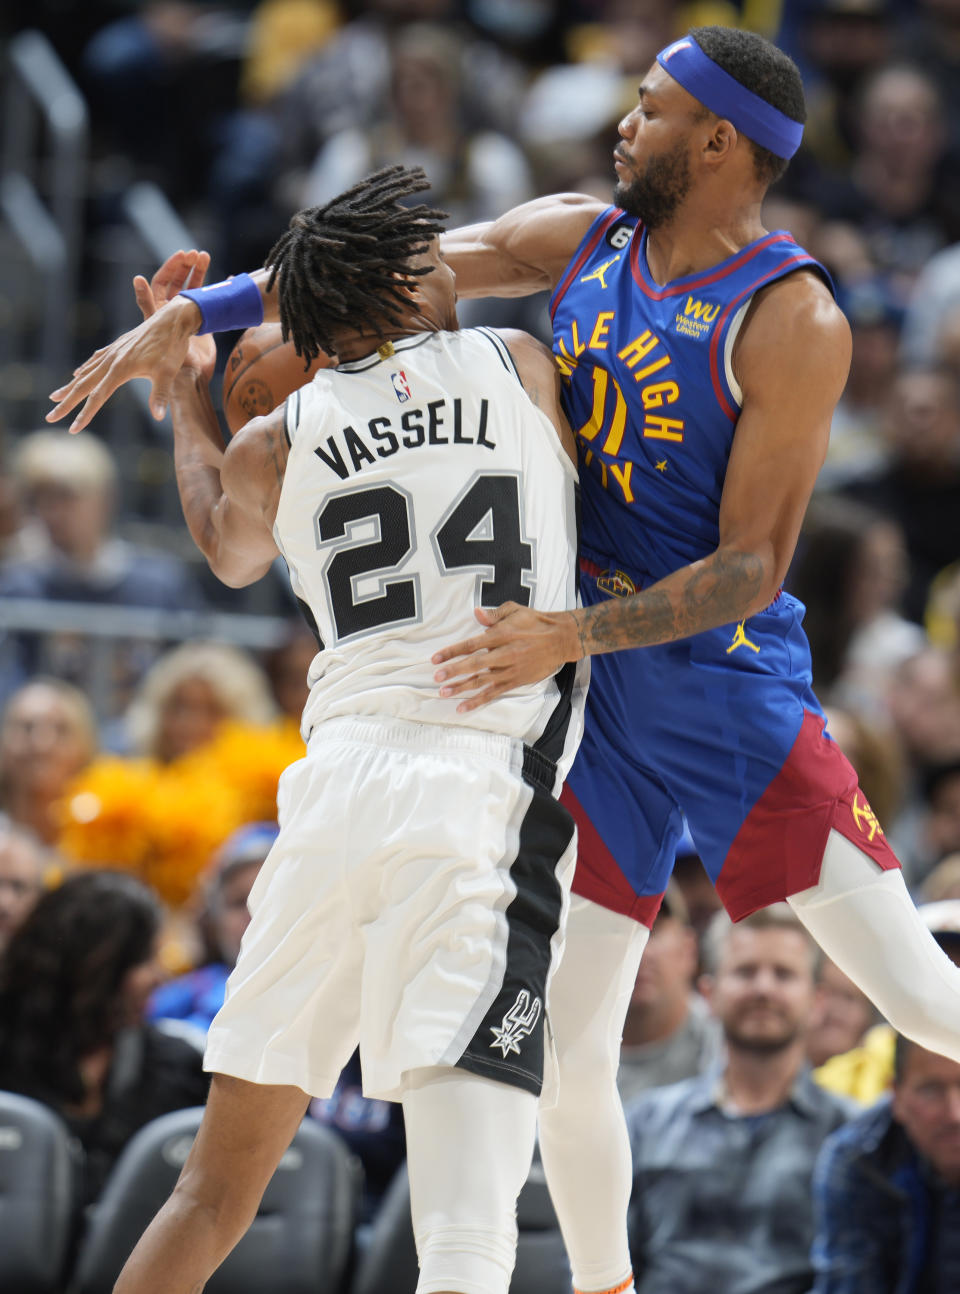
[(792, 364), (524, 251), (155, 349), (228, 494)]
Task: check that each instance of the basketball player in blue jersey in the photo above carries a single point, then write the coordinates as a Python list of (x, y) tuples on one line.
[(703, 356)]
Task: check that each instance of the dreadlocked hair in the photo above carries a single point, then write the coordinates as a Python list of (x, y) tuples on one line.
[(338, 265)]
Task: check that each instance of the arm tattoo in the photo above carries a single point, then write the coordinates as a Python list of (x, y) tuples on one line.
[(278, 453), (716, 591)]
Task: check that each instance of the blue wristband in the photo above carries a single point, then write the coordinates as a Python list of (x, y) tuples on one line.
[(235, 303)]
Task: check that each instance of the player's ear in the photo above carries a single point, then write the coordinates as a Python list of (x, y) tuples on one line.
[(409, 286), (721, 141)]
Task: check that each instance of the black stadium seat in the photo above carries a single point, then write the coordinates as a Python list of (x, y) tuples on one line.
[(389, 1264), (299, 1243), (36, 1196)]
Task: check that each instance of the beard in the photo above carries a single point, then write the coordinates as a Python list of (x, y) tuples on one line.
[(765, 1042), (657, 192)]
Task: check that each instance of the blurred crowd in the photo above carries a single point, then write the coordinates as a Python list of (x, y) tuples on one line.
[(784, 1139)]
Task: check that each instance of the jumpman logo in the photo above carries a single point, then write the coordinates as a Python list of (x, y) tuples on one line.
[(865, 818), (519, 1021), (740, 639), (600, 271)]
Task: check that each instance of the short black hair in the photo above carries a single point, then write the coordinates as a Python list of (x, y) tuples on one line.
[(337, 265), (765, 70)]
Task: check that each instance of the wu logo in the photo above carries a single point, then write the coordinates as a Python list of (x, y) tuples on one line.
[(701, 311), (517, 1024)]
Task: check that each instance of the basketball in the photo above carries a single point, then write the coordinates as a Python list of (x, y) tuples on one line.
[(261, 372)]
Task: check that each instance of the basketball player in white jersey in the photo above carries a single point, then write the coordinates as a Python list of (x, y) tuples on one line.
[(414, 899)]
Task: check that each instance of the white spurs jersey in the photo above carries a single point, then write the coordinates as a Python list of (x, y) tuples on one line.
[(418, 487)]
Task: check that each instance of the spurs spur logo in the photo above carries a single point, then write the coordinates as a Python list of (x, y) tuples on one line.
[(517, 1024)]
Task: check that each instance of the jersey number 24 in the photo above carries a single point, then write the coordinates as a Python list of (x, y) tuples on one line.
[(372, 534)]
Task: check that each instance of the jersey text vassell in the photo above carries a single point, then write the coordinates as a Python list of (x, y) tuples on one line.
[(441, 423)]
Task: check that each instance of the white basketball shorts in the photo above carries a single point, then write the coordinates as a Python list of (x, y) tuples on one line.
[(413, 902)]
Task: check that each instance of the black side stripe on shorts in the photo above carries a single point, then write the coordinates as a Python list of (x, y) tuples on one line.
[(509, 1043)]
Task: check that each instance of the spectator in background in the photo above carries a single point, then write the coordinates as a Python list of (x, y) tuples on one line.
[(210, 757), (190, 693), (899, 188), (920, 487), (866, 1072), (935, 296), (857, 446), (850, 572), (69, 484), (258, 174), (47, 736), (842, 1018), (887, 1187), (723, 1163), (74, 982), (669, 1032), (475, 175), (924, 704), (933, 41), (195, 998), (24, 864), (837, 43)]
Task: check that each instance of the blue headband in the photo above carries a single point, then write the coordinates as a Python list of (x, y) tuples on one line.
[(760, 121)]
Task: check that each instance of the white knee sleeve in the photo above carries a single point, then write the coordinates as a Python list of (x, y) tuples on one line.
[(469, 1148), (864, 920), (583, 1137)]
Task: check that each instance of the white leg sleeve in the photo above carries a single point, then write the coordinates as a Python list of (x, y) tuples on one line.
[(583, 1137), (469, 1148), (864, 920)]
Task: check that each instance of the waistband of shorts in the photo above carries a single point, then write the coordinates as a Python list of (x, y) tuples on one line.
[(406, 734)]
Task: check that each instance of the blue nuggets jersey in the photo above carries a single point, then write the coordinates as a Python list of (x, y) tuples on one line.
[(721, 727), (650, 392)]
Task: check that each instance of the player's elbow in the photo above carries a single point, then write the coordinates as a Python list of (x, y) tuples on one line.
[(236, 575), (753, 576), (235, 570)]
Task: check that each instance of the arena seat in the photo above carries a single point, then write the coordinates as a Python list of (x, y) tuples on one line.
[(389, 1263), (299, 1243), (36, 1196)]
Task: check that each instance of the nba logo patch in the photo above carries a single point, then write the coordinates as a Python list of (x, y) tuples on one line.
[(399, 380)]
